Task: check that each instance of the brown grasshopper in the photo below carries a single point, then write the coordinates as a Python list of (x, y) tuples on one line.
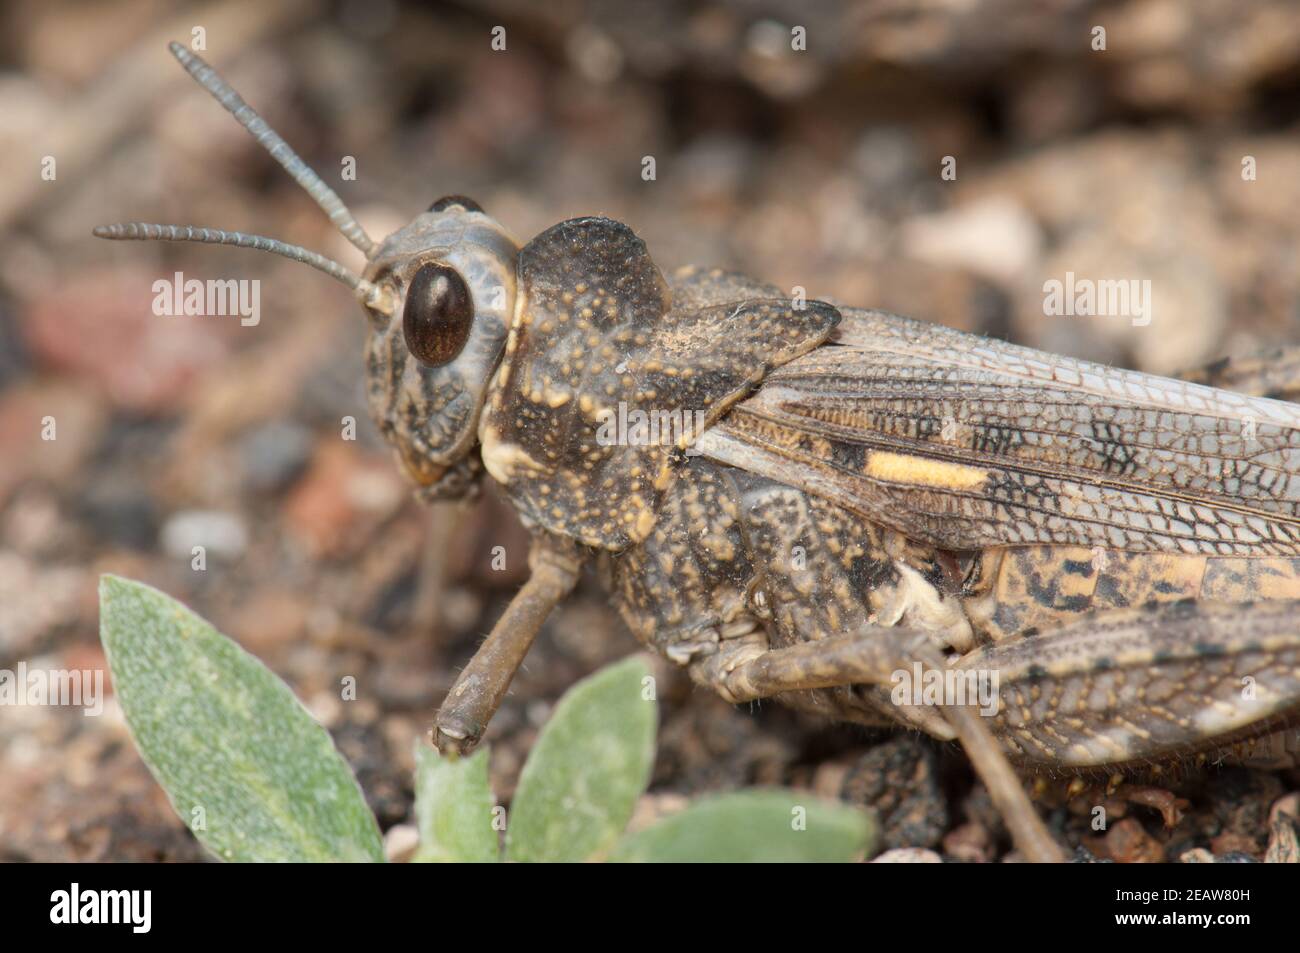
[(843, 495)]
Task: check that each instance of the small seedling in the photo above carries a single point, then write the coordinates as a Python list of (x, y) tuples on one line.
[(257, 779)]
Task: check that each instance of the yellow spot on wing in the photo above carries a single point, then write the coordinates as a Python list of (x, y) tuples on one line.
[(923, 471)]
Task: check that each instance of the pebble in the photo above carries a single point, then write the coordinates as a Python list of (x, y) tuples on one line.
[(400, 843), (78, 418), (969, 843), (908, 855), (340, 498), (274, 455), (993, 237), (101, 328), (120, 510), (1127, 842), (222, 534), (326, 708)]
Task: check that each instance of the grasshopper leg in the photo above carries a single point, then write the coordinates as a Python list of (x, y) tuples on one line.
[(872, 658), (477, 694), (431, 580), (1274, 373)]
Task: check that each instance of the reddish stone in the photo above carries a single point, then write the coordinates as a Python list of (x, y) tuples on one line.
[(101, 327)]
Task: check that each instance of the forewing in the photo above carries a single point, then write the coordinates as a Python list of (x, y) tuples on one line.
[(964, 442)]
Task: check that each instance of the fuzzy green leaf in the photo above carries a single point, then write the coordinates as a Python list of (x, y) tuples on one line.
[(587, 769), (230, 744), (753, 826), (453, 807)]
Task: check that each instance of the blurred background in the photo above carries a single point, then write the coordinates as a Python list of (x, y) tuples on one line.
[(817, 167)]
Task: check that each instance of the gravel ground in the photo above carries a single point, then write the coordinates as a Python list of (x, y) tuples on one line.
[(819, 168)]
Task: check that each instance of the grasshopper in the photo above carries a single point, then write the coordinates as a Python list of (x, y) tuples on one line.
[(842, 496)]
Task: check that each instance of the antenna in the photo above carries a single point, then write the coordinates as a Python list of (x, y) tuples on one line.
[(270, 140), (145, 231)]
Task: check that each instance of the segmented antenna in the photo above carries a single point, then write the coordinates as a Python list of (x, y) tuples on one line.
[(146, 231), (371, 294), (368, 292), (270, 140)]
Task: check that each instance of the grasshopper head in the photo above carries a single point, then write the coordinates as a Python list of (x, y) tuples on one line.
[(439, 294), (445, 292)]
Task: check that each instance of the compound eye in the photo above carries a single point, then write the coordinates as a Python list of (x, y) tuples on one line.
[(438, 314), (447, 201)]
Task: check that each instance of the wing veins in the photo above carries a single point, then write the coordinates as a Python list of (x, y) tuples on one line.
[(877, 441)]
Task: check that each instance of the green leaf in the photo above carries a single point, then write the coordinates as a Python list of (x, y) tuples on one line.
[(589, 766), (753, 826), (453, 807), (226, 739)]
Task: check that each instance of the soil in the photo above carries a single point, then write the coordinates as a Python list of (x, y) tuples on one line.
[(818, 168)]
